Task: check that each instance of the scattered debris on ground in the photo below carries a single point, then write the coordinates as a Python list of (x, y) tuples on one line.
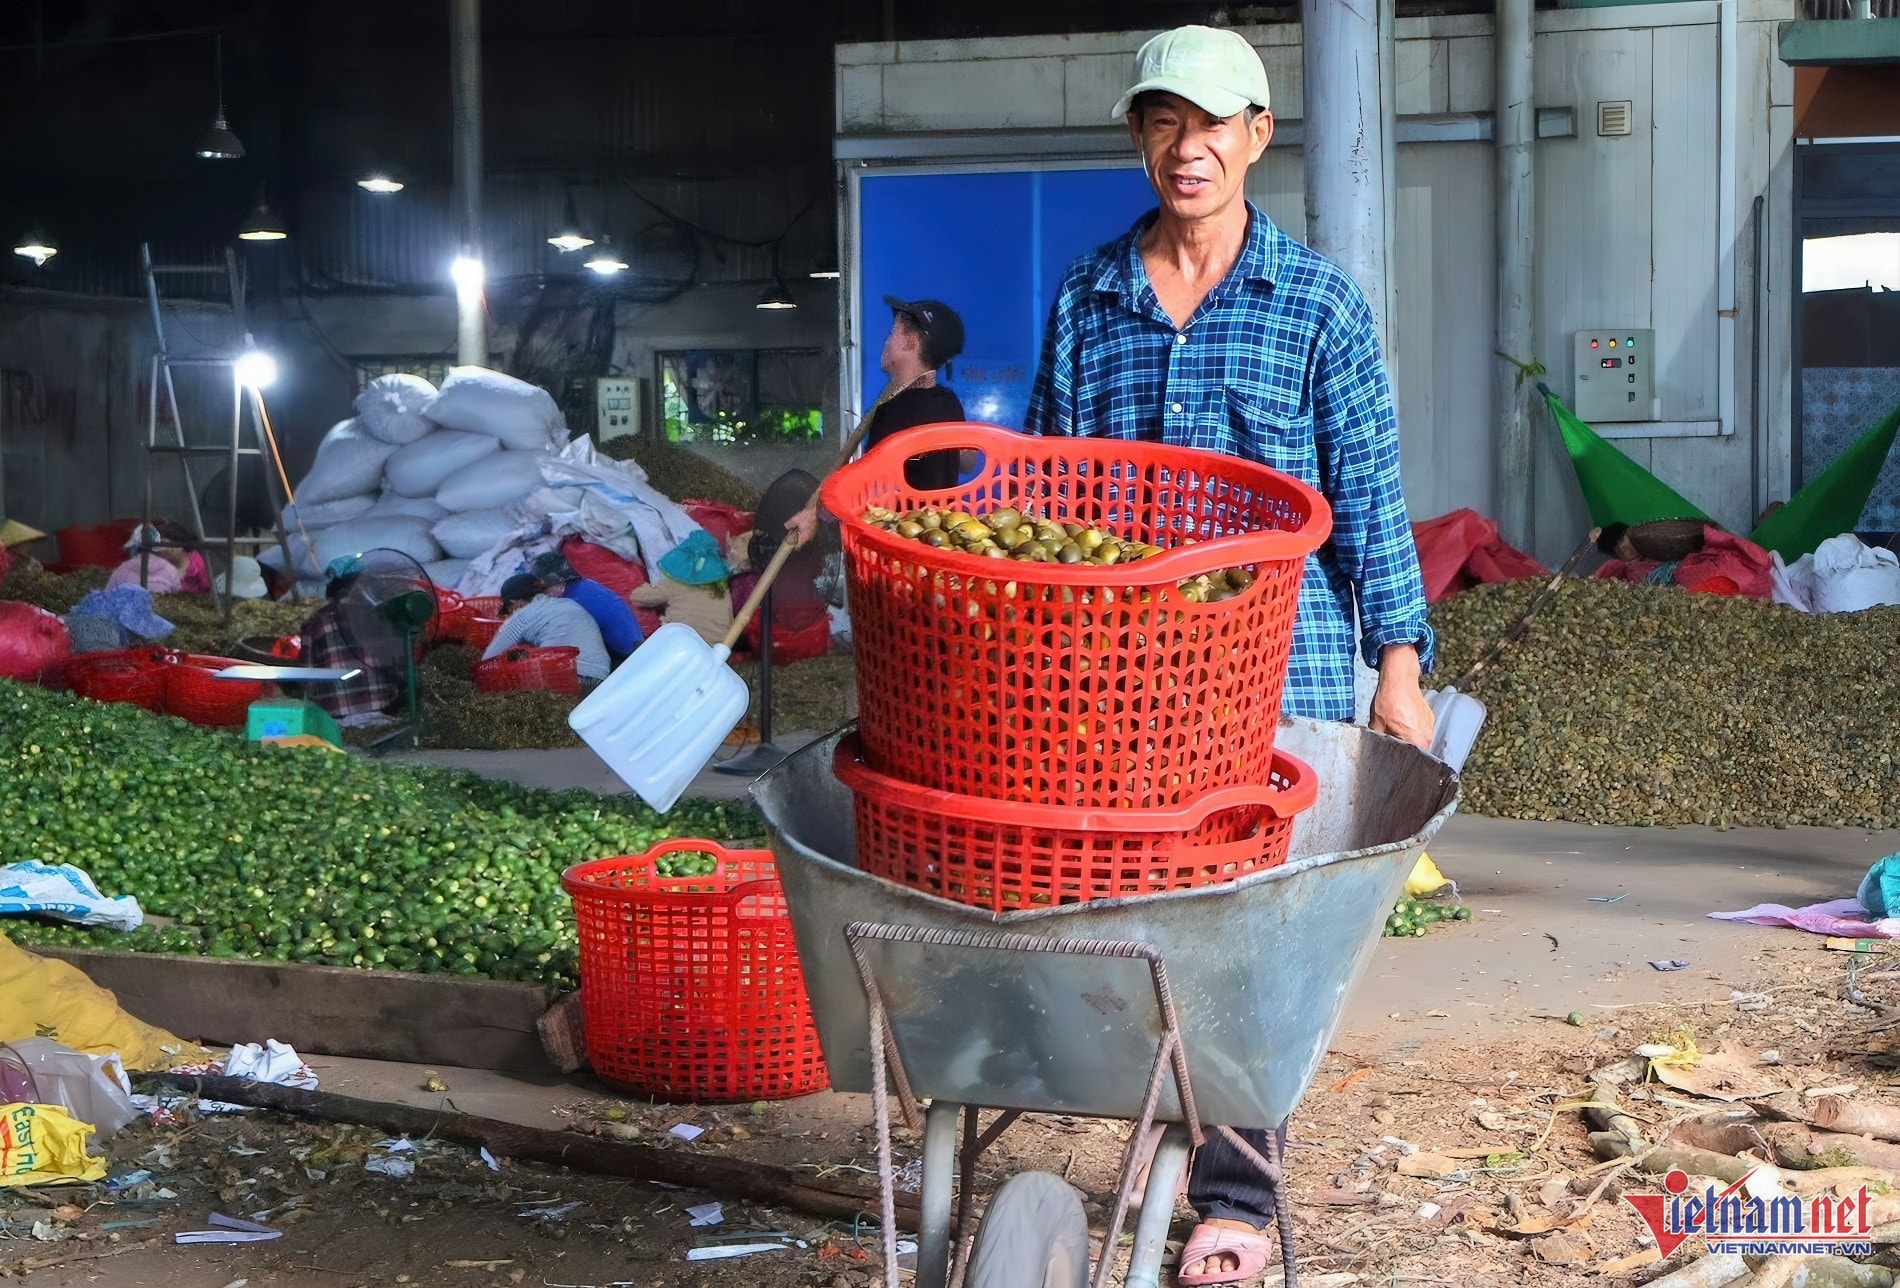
[(1630, 704)]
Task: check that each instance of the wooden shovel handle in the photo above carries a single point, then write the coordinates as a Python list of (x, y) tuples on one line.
[(851, 445), (757, 597)]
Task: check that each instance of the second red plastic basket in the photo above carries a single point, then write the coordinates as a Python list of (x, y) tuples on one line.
[(1073, 684), (1006, 856), (548, 669), (691, 986)]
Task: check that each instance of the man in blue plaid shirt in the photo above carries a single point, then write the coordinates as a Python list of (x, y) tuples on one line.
[(1206, 326)]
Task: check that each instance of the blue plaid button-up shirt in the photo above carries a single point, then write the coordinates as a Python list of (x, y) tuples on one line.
[(1280, 364)]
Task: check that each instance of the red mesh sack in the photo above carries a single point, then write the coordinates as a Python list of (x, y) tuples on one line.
[(33, 642), (723, 521), (194, 692), (597, 563)]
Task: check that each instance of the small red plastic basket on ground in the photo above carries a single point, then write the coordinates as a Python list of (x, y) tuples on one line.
[(549, 669), (691, 986), (131, 676), (1071, 684), (194, 692), (1006, 856)]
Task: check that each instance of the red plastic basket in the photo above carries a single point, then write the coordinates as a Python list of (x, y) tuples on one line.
[(550, 669), (132, 677), (1076, 685), (474, 621), (691, 986), (1006, 856), (194, 692)]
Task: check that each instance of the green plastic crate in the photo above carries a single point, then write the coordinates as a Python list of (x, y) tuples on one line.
[(288, 718)]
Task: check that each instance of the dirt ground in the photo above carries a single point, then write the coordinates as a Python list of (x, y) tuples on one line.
[(1508, 1212)]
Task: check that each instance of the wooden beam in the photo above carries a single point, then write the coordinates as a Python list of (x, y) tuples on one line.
[(328, 1010), (757, 1182)]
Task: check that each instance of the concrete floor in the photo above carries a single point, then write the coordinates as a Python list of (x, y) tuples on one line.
[(579, 767), (1538, 945)]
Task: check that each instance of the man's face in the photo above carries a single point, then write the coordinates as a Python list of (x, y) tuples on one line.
[(902, 347), (1197, 161)]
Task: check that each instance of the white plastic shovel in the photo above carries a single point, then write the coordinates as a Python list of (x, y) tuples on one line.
[(663, 712)]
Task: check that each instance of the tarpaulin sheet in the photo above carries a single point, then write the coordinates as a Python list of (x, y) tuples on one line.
[(1463, 549)]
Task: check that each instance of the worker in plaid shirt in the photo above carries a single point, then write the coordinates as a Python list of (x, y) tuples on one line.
[(1206, 326), (326, 644)]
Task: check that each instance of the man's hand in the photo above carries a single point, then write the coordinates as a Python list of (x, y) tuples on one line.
[(803, 526), (1398, 707)]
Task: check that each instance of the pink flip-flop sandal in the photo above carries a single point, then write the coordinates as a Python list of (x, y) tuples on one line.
[(1252, 1250)]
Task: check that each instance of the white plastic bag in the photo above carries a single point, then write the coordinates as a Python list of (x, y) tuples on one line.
[(480, 401), (393, 504), (323, 514), (473, 532), (1849, 576), (36, 889), (492, 482), (419, 468), (92, 1088), (390, 407), (349, 463), (447, 573), (409, 535)]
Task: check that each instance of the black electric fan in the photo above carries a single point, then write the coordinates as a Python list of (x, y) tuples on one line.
[(795, 591), (385, 612)]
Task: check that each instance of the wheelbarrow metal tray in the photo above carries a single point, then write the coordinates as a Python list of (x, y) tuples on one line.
[(1259, 968)]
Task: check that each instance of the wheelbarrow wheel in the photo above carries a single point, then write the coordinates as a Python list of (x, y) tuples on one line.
[(1035, 1235)]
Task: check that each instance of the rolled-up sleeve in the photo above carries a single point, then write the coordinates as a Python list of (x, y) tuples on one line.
[(1357, 434)]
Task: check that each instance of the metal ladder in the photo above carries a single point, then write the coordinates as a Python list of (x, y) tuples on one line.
[(263, 441)]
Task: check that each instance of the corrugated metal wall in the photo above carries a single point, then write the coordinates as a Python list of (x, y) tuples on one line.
[(1626, 225)]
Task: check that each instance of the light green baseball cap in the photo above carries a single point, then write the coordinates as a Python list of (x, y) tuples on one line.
[(1212, 69)]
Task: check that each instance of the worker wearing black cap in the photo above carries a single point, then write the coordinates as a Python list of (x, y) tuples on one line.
[(925, 334)]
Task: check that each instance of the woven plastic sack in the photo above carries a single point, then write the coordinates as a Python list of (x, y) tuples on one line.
[(473, 532), (419, 468), (393, 504), (491, 483), (411, 536), (349, 463), (446, 573), (324, 514), (43, 995), (32, 642), (480, 401), (390, 407)]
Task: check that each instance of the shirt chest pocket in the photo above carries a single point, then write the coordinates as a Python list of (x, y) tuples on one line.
[(1276, 428)]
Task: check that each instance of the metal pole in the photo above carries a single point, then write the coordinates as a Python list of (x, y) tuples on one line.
[(1345, 144), (1517, 243), (1389, 166), (465, 75)]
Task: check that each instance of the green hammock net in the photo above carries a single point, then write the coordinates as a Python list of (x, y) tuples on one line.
[(1618, 490)]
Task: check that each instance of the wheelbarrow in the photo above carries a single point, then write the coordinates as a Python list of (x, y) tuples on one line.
[(1174, 1011)]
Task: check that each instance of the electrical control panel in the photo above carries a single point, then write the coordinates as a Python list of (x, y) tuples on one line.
[(616, 407), (1616, 375)]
